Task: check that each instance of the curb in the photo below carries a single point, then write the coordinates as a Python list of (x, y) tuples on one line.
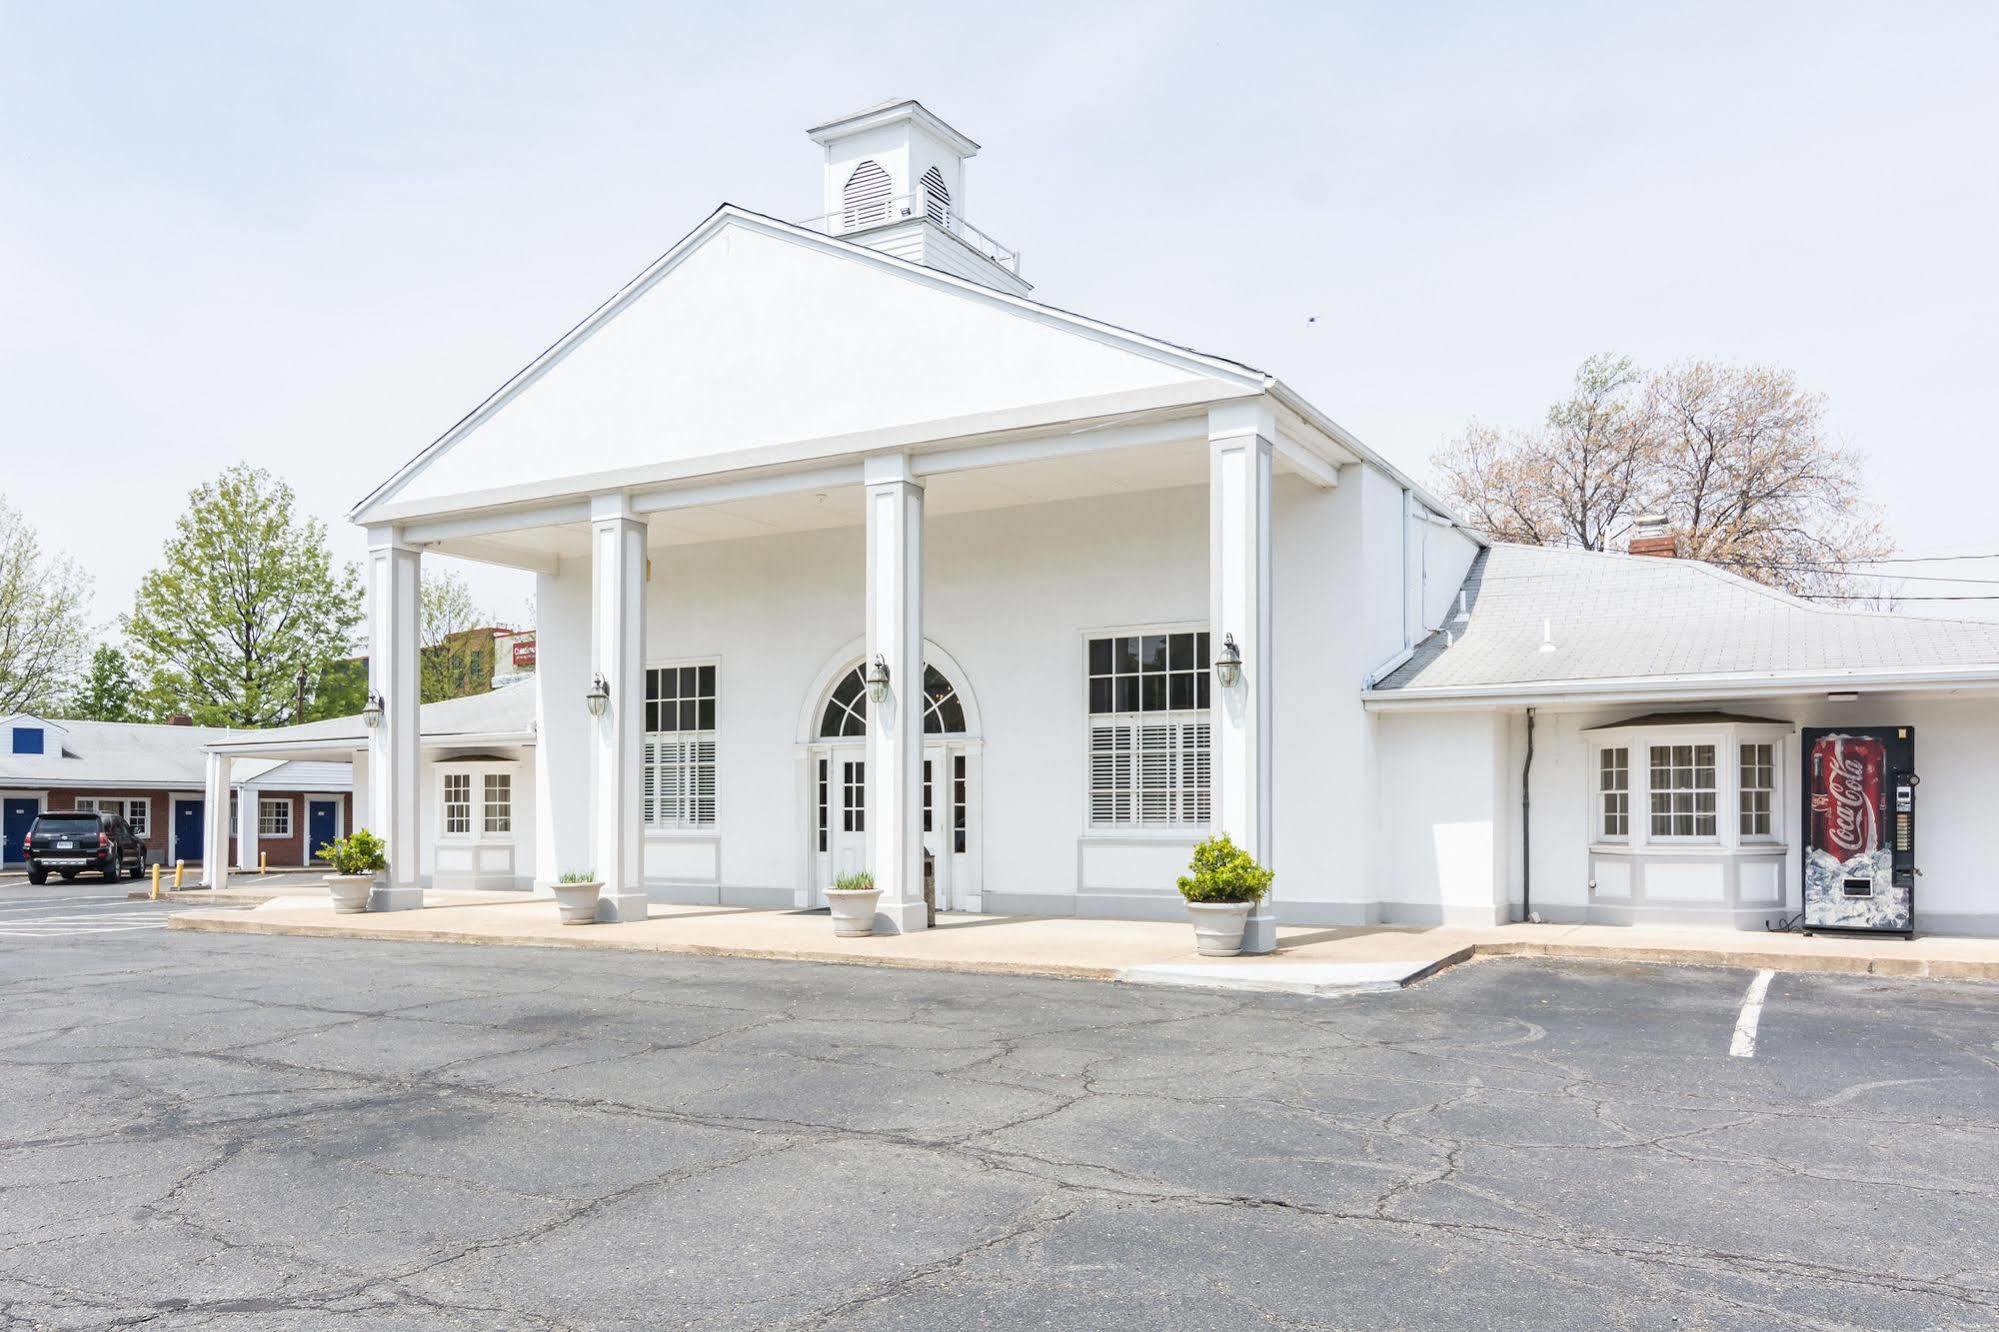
[(1742, 960)]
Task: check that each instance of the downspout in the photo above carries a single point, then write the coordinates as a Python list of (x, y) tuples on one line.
[(1527, 826)]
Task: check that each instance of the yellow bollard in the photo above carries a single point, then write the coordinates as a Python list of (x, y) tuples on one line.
[(263, 861), (156, 883), (180, 867)]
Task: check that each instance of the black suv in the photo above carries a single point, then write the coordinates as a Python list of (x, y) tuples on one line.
[(72, 843)]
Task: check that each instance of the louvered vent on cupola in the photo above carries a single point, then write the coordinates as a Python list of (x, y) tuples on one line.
[(936, 198), (864, 201)]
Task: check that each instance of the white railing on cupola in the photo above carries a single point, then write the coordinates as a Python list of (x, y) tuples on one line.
[(904, 207)]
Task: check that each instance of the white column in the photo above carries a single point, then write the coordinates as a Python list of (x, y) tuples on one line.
[(1239, 560), (394, 747), (246, 828), (895, 726), (617, 656), (215, 823)]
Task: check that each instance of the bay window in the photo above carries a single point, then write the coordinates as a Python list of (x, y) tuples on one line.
[(1757, 789), (1149, 755), (1682, 791)]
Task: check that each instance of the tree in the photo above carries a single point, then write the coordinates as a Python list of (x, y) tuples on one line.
[(246, 595), (108, 693), (1736, 457), (454, 662), (1749, 478), (44, 619)]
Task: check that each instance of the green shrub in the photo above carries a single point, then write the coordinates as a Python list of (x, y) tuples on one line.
[(1224, 872), (857, 882), (360, 852), (578, 876)]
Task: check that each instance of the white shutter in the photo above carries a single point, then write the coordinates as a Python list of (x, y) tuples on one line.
[(1196, 773), (1155, 773), (703, 785)]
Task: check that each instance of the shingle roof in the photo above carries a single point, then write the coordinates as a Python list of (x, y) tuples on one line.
[(508, 710), (1644, 619), (138, 755)]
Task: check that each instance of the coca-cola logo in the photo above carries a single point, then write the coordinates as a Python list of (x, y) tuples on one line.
[(1852, 825)]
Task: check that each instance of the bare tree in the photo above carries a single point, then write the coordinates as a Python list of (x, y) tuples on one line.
[(44, 619), (1574, 481), (1750, 478), (1737, 457)]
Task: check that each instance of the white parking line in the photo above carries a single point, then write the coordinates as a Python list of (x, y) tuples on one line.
[(1744, 1044)]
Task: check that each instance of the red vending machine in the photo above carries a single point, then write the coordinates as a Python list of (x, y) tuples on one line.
[(1860, 829)]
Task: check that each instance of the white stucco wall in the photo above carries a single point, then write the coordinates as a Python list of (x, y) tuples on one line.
[(1012, 596), (1443, 832), (1955, 741)]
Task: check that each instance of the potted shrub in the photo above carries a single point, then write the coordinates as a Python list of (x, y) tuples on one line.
[(356, 859), (1223, 885), (576, 894), (853, 898)]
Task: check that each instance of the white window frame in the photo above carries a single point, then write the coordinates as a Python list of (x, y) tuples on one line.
[(280, 804), (682, 753), (1722, 752), (505, 817), (1179, 727), (1728, 738), (123, 807), (1598, 791), (475, 772), (1776, 834)]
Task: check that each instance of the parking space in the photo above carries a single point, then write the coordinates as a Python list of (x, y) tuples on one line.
[(87, 906), (263, 1132)]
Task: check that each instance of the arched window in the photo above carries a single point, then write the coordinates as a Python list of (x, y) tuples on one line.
[(847, 710), (936, 198), (864, 198)]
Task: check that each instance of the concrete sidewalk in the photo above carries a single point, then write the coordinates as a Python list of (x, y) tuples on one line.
[(1308, 960)]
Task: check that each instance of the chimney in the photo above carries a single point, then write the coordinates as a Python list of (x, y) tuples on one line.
[(180, 719), (1651, 536)]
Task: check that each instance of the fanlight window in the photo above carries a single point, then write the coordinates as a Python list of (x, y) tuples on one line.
[(864, 198), (936, 198), (847, 710)]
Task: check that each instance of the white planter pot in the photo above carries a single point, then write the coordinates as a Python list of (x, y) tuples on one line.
[(853, 910), (349, 892), (576, 903), (1218, 926)]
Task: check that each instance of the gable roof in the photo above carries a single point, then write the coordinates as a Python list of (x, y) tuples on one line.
[(1645, 626), (701, 388), (503, 713), (123, 756)]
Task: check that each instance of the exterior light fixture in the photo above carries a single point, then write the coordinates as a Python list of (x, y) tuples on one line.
[(598, 698), (1228, 662), (371, 713), (1841, 696), (878, 679)]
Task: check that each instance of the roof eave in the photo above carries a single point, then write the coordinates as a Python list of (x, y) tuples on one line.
[(1684, 688)]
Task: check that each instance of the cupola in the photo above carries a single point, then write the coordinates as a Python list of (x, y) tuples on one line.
[(895, 182)]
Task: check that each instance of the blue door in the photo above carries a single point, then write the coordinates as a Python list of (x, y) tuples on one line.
[(319, 820), (187, 829), (17, 817)]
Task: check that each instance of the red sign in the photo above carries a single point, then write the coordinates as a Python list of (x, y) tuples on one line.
[(1848, 774), (524, 651)]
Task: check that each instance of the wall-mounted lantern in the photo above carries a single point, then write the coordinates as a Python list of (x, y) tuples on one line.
[(371, 713), (1228, 662), (878, 679), (598, 698)]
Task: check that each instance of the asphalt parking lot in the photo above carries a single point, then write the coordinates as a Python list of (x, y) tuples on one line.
[(234, 1132)]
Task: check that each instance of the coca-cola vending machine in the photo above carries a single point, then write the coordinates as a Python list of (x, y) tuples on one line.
[(1860, 829)]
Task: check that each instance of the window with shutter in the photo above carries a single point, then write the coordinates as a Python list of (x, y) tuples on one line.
[(1149, 738), (678, 790)]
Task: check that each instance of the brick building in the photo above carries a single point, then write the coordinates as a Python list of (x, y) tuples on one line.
[(154, 776)]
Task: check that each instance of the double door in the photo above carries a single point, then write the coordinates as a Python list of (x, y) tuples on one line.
[(841, 831)]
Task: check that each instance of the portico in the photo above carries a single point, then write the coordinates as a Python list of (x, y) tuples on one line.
[(850, 556)]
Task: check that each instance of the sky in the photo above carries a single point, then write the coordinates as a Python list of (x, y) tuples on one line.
[(313, 236)]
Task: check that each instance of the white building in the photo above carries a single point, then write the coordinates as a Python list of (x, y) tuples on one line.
[(786, 453)]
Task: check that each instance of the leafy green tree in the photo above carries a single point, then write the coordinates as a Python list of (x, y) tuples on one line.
[(44, 629), (107, 693), (454, 661), (247, 594)]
